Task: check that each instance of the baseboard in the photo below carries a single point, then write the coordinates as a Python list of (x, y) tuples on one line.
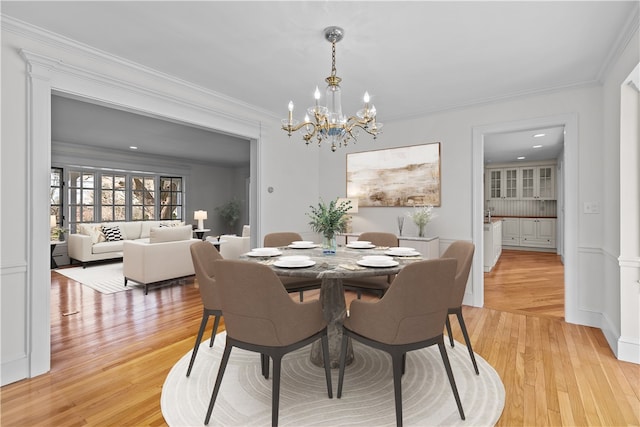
[(530, 249), (628, 351)]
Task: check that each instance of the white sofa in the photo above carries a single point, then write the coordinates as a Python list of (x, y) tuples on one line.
[(90, 244), (165, 256)]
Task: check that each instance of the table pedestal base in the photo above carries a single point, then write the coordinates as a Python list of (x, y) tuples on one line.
[(335, 310)]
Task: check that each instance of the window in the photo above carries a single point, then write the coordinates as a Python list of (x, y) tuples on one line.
[(81, 197), (143, 200), (113, 197), (104, 196), (55, 195), (170, 197)]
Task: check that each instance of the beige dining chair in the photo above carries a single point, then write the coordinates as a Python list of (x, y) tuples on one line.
[(410, 316), (374, 284), (203, 255), (260, 316), (463, 252), (291, 284)]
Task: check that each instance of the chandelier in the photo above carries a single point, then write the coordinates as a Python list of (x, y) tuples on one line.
[(327, 123)]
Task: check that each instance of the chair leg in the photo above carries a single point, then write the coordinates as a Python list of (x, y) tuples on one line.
[(404, 363), (452, 381), (467, 340), (275, 393), (343, 357), (397, 385), (203, 325), (447, 323), (216, 387), (358, 293), (327, 364), (264, 361), (301, 295), (216, 322)]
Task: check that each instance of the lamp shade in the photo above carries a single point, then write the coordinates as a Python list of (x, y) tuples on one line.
[(200, 216), (354, 203), (53, 221)]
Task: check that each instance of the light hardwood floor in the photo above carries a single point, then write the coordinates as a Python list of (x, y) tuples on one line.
[(111, 354)]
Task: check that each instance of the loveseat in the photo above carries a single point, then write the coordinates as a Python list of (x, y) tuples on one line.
[(164, 256), (91, 243)]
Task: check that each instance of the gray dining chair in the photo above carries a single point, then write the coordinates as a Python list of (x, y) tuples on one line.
[(291, 284), (463, 252), (261, 317), (374, 284), (410, 316), (204, 254)]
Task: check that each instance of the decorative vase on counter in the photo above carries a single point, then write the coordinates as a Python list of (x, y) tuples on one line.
[(329, 245), (421, 228)]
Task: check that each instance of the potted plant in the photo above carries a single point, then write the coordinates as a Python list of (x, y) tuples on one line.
[(421, 215), (329, 220), (230, 213)]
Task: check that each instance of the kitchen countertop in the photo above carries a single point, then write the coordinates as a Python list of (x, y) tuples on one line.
[(499, 217)]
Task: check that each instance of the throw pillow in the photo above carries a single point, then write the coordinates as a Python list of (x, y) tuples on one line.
[(111, 233), (92, 230)]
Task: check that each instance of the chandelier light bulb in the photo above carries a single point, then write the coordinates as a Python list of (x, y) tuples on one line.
[(366, 97)]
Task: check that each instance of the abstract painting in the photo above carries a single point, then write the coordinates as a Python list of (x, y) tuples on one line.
[(403, 176)]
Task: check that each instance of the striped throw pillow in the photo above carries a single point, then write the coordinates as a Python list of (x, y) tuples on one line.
[(112, 233)]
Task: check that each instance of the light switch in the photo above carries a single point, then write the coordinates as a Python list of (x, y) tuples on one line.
[(591, 207)]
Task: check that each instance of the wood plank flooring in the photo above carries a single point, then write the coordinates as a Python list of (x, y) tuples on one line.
[(526, 282), (111, 354)]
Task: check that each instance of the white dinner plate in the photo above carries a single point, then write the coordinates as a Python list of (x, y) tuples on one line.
[(303, 246), (265, 253), (360, 246), (377, 263), (402, 253), (297, 264)]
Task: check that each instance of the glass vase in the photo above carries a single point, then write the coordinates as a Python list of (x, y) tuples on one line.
[(421, 228), (329, 245)]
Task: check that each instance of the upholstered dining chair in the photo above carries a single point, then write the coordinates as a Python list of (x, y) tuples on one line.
[(409, 316), (375, 284), (203, 255), (463, 252), (260, 316), (291, 284)]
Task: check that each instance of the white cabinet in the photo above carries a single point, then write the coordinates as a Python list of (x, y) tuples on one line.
[(531, 182), (429, 247), (511, 231), (492, 244), (538, 182), (538, 232), (502, 183)]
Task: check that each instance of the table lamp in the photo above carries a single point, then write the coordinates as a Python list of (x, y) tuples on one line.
[(53, 221), (200, 216)]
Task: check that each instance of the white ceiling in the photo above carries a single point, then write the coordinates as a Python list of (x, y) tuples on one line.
[(414, 58)]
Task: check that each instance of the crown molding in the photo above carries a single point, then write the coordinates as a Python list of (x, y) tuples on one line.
[(58, 41), (622, 41)]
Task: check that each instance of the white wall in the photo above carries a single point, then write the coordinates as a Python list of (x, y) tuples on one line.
[(621, 296)]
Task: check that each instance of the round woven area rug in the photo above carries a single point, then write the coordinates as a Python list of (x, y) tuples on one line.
[(367, 394)]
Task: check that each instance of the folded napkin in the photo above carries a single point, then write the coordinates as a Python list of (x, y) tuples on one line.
[(351, 267), (382, 248)]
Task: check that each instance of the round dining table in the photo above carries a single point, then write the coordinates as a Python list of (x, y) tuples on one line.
[(332, 270)]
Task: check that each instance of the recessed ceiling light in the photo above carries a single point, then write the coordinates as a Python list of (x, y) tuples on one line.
[(133, 147), (537, 146), (521, 158), (538, 135)]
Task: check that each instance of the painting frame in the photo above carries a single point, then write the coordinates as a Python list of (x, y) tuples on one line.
[(405, 176)]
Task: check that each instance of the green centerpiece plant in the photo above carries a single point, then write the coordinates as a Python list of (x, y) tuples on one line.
[(329, 220)]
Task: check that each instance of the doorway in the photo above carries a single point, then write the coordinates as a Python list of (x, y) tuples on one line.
[(567, 212), (524, 187)]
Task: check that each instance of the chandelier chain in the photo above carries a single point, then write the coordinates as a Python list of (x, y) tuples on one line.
[(333, 59)]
